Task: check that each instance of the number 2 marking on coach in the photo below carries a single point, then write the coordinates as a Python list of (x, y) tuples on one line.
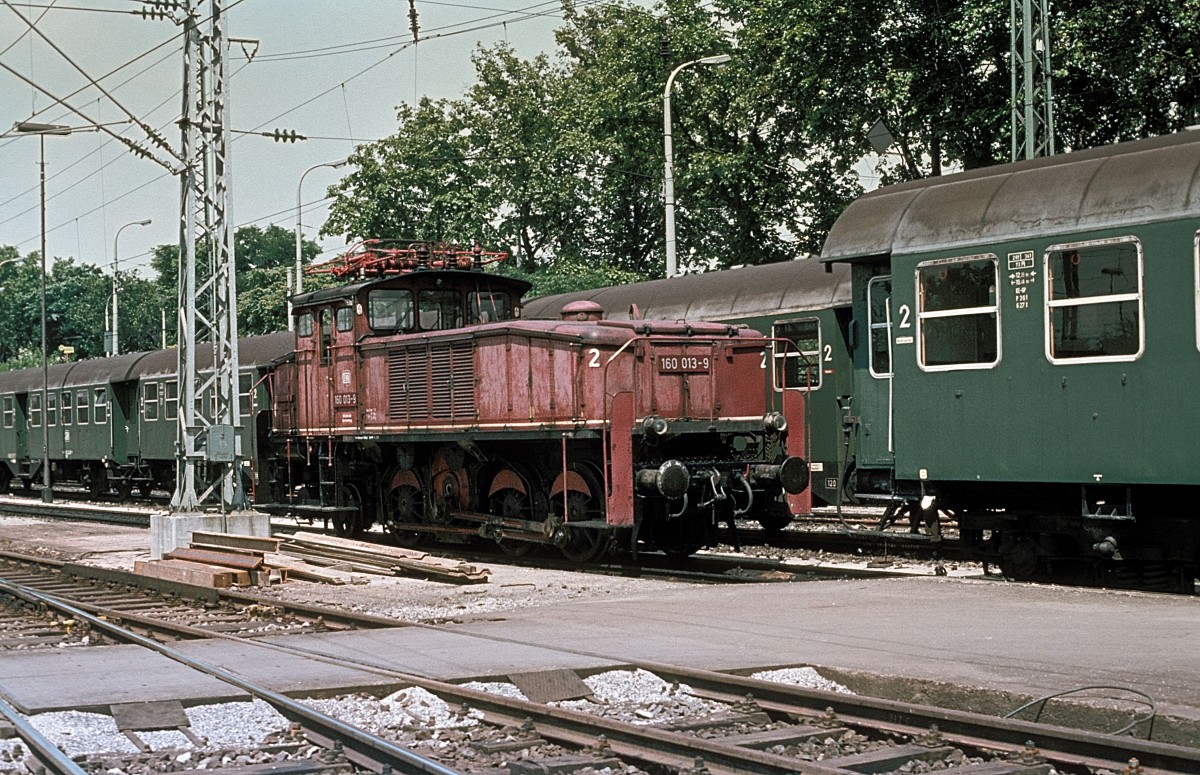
[(905, 314), (594, 363)]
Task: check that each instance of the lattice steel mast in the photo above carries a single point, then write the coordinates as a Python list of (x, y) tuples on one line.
[(209, 456), (1032, 95)]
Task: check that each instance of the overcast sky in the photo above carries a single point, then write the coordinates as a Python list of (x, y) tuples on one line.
[(332, 70)]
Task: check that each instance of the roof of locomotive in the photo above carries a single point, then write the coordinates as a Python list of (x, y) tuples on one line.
[(253, 352), (1109, 187), (417, 278), (730, 294)]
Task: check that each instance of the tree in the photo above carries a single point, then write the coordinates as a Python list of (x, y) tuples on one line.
[(262, 257), (422, 184)]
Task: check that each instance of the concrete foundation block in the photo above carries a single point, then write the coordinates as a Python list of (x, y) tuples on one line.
[(172, 530)]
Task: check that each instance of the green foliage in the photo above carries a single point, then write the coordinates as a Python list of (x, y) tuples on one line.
[(569, 276)]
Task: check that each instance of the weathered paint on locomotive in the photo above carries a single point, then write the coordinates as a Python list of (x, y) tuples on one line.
[(449, 414), (1042, 317), (803, 301)]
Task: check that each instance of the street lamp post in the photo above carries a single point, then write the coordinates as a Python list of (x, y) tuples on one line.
[(41, 130), (299, 233), (668, 172), (116, 347)]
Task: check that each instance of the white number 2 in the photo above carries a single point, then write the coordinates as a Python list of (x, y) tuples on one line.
[(905, 314), (594, 363)]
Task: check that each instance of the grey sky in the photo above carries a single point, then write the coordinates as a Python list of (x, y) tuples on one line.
[(94, 185)]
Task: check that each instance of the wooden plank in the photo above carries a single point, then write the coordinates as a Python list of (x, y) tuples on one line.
[(299, 569), (400, 561), (235, 541), (160, 569), (236, 576), (209, 557), (149, 716)]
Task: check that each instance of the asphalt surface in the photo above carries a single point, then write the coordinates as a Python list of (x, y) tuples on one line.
[(985, 634)]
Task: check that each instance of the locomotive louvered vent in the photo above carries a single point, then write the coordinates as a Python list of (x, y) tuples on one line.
[(432, 383)]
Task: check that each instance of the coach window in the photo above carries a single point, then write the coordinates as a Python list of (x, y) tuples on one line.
[(1197, 263), (304, 324), (68, 408), (958, 318), (439, 310), (1094, 301), (800, 369), (81, 407), (245, 383), (10, 411), (390, 310), (879, 294), (150, 401), (100, 405), (51, 409), (171, 399), (35, 410)]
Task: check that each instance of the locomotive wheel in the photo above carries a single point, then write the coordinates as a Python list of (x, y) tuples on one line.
[(581, 544), (512, 504), (405, 504), (774, 518), (348, 523), (1019, 558)]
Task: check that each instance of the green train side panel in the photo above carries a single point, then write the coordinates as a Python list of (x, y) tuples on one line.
[(1027, 419)]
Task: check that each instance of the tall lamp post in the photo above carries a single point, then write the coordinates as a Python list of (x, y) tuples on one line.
[(41, 130), (116, 346), (668, 172), (299, 234)]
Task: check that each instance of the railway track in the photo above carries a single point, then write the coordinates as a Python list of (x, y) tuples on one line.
[(728, 724)]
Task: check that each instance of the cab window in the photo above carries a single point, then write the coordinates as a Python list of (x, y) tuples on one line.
[(800, 369), (958, 318), (390, 310), (304, 324), (490, 307), (439, 310), (1094, 301), (325, 321), (345, 319)]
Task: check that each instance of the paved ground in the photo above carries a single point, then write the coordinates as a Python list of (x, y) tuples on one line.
[(985, 634)]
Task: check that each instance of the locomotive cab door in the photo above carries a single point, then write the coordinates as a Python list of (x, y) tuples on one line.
[(343, 377)]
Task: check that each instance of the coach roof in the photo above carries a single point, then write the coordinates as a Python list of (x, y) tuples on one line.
[(1109, 187)]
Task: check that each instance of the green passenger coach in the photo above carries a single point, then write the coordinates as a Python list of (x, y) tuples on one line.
[(1032, 331)]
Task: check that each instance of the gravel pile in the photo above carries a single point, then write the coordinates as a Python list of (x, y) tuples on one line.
[(640, 697), (801, 676), (407, 709)]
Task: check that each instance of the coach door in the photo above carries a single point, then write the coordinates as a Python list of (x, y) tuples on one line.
[(871, 411)]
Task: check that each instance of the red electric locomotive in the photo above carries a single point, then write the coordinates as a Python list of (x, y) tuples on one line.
[(417, 398)]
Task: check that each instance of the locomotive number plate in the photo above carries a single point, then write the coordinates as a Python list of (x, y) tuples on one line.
[(684, 364), (345, 399)]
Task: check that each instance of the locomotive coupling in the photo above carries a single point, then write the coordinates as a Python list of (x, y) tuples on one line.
[(669, 480), (792, 474)]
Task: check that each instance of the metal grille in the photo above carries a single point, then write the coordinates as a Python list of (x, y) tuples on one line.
[(436, 382)]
